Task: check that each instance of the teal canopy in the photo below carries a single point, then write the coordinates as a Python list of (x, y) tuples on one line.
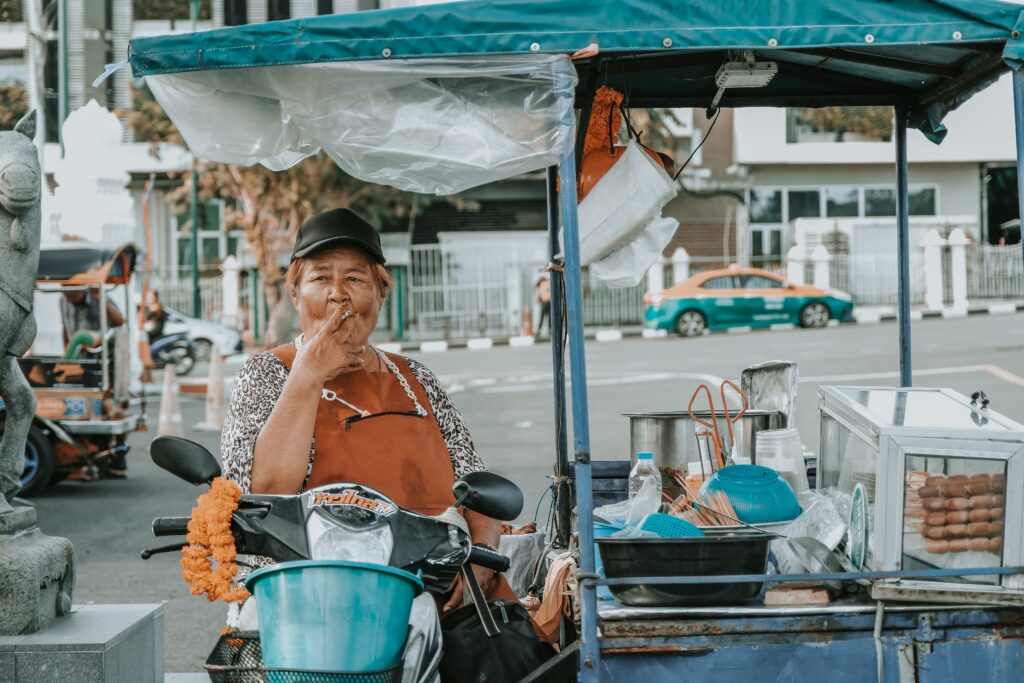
[(928, 54)]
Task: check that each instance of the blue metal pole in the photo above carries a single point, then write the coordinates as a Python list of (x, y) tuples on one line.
[(556, 326), (1018, 110), (903, 243), (590, 650)]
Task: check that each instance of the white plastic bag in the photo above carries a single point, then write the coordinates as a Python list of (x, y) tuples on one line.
[(627, 266), (622, 203), (630, 512)]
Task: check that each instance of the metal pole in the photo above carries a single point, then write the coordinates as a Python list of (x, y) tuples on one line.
[(1018, 110), (590, 649), (197, 301), (903, 243), (556, 326), (104, 353), (62, 70)]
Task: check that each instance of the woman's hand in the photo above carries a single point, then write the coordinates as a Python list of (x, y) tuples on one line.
[(331, 351)]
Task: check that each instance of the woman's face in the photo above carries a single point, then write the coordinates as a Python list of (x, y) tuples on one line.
[(337, 277)]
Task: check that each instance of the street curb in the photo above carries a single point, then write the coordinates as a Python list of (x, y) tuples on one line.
[(867, 316)]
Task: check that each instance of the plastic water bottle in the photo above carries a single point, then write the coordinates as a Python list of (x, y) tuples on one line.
[(643, 471)]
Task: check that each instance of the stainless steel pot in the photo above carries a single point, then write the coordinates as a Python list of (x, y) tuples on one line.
[(672, 436)]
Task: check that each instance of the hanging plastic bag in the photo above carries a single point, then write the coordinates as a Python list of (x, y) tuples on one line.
[(623, 203), (627, 266)]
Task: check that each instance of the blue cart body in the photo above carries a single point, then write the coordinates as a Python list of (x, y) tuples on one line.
[(924, 644)]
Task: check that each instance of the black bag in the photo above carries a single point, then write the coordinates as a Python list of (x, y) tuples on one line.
[(471, 656)]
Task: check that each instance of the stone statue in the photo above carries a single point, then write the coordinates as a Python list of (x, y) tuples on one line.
[(36, 571), (20, 186)]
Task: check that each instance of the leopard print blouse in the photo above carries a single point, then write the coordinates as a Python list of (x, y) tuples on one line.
[(259, 384)]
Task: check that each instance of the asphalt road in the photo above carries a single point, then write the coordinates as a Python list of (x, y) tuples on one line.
[(505, 396)]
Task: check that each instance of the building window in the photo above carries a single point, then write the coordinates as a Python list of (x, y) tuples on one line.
[(325, 6), (804, 204), (236, 12), (839, 124), (842, 202), (765, 206), (278, 10), (881, 202), (10, 11), (168, 10)]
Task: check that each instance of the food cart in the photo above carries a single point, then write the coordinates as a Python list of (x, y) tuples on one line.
[(442, 98), (84, 410)]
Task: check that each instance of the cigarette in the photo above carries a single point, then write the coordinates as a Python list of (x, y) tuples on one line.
[(346, 315)]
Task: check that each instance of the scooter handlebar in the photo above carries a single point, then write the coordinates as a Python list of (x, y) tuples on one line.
[(489, 559), (170, 526)]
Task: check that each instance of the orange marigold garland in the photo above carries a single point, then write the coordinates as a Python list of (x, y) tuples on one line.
[(209, 535), (601, 128)]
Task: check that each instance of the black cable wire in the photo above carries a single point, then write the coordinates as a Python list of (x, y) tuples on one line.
[(697, 149)]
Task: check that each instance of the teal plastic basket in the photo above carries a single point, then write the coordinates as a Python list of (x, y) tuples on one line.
[(331, 615), (758, 494), (669, 526)]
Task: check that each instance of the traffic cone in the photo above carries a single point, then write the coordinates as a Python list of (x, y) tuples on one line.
[(170, 406), (214, 420)]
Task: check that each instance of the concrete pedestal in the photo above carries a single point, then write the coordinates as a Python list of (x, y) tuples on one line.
[(94, 644), (37, 574)]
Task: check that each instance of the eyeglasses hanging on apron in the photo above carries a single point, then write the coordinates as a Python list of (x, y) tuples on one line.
[(417, 411)]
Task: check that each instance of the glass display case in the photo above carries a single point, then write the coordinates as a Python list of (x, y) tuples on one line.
[(944, 480)]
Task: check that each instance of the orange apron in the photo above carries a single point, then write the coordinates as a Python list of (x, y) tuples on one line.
[(403, 456)]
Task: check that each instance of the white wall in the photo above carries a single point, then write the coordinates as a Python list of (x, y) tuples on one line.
[(980, 130)]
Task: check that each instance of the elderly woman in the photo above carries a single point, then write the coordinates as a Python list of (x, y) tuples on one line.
[(330, 408)]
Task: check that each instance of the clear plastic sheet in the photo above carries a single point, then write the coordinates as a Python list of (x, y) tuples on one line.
[(436, 126)]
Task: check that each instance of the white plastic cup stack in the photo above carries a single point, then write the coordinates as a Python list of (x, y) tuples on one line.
[(781, 450)]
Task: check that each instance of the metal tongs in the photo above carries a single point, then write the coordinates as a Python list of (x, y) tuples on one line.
[(723, 452)]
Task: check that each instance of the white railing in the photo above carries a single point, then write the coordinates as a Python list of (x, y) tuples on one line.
[(995, 272), (177, 293)]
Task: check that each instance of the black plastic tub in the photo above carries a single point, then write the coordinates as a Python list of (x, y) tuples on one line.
[(741, 553)]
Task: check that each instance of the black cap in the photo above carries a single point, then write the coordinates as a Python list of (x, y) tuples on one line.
[(334, 227)]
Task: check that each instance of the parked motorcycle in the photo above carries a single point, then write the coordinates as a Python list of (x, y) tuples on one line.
[(174, 348), (350, 522)]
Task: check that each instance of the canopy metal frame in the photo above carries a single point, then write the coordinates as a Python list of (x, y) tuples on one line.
[(567, 274)]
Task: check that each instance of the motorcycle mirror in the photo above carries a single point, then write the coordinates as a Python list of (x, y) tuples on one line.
[(489, 494), (184, 459)]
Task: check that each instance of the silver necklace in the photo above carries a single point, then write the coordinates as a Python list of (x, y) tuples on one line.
[(330, 395)]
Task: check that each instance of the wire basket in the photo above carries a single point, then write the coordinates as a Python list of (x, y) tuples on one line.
[(238, 658), (758, 494)]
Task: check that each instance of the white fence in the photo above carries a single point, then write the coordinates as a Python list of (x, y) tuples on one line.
[(995, 272), (177, 293), (477, 290)]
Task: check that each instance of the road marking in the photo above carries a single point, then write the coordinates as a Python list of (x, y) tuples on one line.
[(1004, 374), (608, 381), (994, 370), (829, 379)]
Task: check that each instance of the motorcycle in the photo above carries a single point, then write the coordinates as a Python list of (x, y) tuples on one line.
[(176, 349), (347, 521)]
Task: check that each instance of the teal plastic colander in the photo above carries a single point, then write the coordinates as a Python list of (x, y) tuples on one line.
[(758, 494), (669, 526)]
